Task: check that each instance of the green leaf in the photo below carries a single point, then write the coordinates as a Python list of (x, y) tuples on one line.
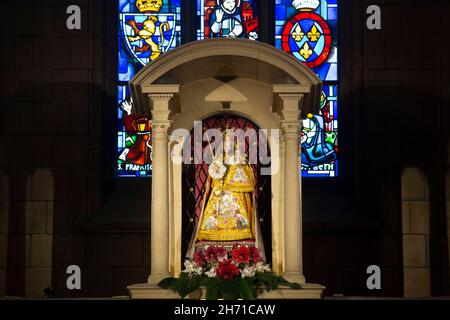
[(182, 286), (212, 289), (167, 283), (280, 280), (193, 284), (229, 289), (268, 280), (204, 281), (245, 289)]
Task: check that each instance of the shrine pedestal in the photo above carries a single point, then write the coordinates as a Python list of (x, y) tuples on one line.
[(308, 291), (150, 291)]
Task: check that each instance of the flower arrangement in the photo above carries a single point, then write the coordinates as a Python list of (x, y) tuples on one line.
[(236, 274)]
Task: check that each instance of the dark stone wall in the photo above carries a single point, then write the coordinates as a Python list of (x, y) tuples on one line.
[(58, 113), (394, 113)]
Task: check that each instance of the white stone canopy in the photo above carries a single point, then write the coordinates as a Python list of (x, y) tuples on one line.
[(242, 77), (224, 59)]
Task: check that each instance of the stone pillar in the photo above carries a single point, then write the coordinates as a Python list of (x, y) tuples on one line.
[(160, 188), (416, 230), (292, 187)]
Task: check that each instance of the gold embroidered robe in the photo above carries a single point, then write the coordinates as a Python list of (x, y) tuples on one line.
[(228, 212)]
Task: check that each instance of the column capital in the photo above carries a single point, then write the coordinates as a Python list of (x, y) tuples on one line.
[(161, 96), (161, 127), (287, 97), (290, 129), (161, 105), (290, 103)]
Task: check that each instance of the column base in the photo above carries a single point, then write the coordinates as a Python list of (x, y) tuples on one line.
[(295, 277), (155, 278)]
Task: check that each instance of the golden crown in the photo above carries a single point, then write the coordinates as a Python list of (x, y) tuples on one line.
[(306, 5), (149, 5)]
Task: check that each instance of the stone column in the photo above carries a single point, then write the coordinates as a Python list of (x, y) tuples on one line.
[(292, 187), (39, 232), (416, 231), (160, 188)]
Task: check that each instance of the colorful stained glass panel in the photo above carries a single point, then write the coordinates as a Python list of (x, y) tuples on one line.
[(227, 18), (319, 137), (308, 30), (147, 29)]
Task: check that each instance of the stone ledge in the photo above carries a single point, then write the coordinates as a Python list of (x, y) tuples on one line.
[(308, 291), (150, 291)]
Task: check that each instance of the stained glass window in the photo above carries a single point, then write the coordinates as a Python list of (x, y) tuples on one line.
[(147, 29), (319, 137), (227, 18), (308, 29)]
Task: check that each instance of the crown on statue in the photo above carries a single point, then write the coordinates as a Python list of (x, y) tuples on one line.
[(306, 5), (149, 5)]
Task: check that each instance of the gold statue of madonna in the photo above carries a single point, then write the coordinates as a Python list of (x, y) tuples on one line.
[(228, 214)]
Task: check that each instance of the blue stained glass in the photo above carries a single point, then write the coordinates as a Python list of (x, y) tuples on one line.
[(323, 9), (163, 19), (279, 28), (322, 71), (332, 13), (280, 12)]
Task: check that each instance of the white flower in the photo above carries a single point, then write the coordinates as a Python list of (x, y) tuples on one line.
[(191, 267), (198, 271), (261, 267), (247, 272), (211, 273)]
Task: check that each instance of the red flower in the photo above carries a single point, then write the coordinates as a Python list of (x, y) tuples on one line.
[(227, 270), (214, 253), (254, 253), (199, 257), (241, 254)]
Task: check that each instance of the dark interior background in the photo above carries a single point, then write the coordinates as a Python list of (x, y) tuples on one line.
[(58, 112)]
